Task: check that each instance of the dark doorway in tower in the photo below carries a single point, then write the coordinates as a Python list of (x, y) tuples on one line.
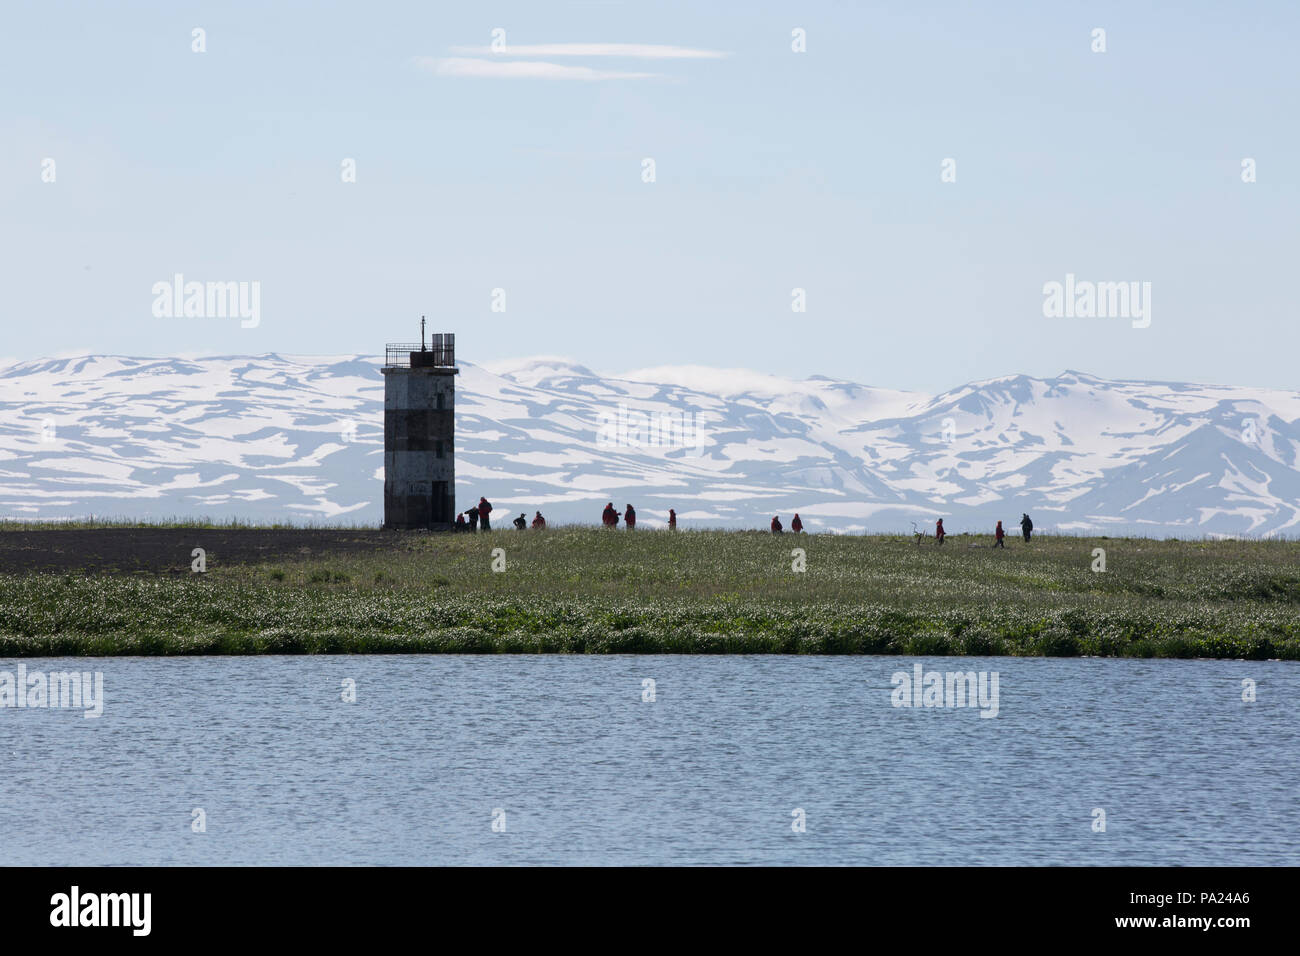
[(440, 510)]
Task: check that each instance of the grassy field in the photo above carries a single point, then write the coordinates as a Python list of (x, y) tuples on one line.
[(586, 590)]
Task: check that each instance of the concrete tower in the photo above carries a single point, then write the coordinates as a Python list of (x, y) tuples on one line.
[(420, 433)]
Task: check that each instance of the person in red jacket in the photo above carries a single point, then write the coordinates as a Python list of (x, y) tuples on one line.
[(998, 535), (796, 525), (460, 523), (629, 518), (672, 520), (776, 524), (538, 521), (484, 509), (609, 518), (938, 531)]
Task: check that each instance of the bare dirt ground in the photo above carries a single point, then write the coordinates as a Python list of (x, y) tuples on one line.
[(164, 550)]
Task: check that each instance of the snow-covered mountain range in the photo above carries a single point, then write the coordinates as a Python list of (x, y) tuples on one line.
[(300, 438)]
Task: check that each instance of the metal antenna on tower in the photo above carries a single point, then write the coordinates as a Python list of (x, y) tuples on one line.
[(421, 333)]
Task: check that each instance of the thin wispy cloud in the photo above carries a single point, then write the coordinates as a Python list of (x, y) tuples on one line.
[(639, 51), (520, 69)]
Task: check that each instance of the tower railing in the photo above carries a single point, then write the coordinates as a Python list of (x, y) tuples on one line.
[(439, 353)]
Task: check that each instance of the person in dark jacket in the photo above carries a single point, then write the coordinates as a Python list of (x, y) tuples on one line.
[(672, 520), (484, 509), (629, 518), (521, 523), (472, 514), (796, 525), (1026, 525), (998, 535), (776, 524)]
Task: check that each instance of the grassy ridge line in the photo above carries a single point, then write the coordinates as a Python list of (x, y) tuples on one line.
[(594, 591)]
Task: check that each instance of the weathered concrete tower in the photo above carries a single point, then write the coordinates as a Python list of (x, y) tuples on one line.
[(420, 433)]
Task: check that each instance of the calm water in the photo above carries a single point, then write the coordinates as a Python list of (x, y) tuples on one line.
[(710, 772)]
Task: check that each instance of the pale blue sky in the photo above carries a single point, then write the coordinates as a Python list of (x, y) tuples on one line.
[(775, 170)]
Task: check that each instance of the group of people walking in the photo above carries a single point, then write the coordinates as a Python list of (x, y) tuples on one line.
[(480, 519), (479, 516), (609, 518), (1026, 529)]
